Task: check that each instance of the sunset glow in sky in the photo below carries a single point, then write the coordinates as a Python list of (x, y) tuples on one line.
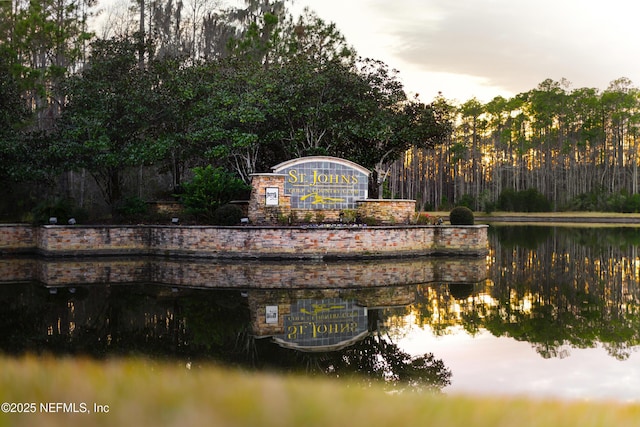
[(482, 49), (471, 48)]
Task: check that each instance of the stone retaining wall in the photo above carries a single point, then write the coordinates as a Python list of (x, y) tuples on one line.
[(258, 211), (263, 275), (245, 242), (382, 211), (16, 238), (388, 211)]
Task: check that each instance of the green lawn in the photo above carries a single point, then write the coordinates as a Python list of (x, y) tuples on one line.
[(548, 214), (586, 219), (145, 393)]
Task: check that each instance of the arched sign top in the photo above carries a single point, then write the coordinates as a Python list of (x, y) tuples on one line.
[(323, 182), (294, 162)]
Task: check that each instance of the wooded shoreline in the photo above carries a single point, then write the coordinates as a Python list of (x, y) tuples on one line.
[(552, 217)]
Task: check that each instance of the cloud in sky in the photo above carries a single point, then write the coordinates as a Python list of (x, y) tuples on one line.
[(467, 48)]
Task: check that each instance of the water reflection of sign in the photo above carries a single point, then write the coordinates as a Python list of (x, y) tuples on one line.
[(321, 325), (324, 182), (271, 196)]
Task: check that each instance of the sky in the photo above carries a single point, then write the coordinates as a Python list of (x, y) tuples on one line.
[(485, 48), (500, 366)]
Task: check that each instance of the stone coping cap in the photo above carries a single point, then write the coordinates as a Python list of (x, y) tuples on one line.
[(255, 227), (384, 200), (268, 174), (302, 160)]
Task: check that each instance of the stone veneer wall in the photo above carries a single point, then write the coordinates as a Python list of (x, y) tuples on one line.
[(246, 242), (249, 274), (385, 211), (388, 211), (17, 238), (259, 213)]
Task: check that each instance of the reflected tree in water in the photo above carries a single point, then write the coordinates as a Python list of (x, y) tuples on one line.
[(198, 326), (522, 236), (377, 359), (373, 360), (563, 288), (104, 320), (577, 289)]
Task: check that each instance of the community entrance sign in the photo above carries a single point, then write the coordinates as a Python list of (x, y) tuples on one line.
[(322, 182), (323, 325)]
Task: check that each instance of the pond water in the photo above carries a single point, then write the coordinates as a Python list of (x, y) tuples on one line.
[(551, 312)]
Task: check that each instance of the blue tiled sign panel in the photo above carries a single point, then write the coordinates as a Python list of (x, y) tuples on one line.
[(323, 183)]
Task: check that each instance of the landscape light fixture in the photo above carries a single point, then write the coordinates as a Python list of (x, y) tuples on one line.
[(53, 220), (175, 220)]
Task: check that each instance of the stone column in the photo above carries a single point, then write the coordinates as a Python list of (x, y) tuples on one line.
[(264, 209)]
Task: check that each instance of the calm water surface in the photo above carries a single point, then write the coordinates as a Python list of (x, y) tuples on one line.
[(551, 312)]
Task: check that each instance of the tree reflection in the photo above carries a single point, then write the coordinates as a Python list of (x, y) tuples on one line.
[(579, 288), (574, 288), (566, 288), (121, 320), (194, 325), (375, 359)]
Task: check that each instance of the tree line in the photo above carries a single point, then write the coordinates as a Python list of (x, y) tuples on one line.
[(551, 148), (173, 86), (156, 99)]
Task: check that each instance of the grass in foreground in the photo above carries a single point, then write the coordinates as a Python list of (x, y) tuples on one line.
[(144, 393)]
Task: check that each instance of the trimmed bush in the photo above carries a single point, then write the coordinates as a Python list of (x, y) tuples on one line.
[(62, 209), (227, 215), (461, 215), (132, 206), (209, 189)]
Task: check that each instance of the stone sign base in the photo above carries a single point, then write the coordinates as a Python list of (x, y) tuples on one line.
[(371, 211)]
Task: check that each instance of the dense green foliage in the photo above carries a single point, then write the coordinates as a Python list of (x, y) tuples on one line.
[(280, 87), (461, 215), (61, 209), (13, 113), (248, 87), (110, 116), (564, 142), (210, 189), (227, 215), (530, 200), (599, 199)]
